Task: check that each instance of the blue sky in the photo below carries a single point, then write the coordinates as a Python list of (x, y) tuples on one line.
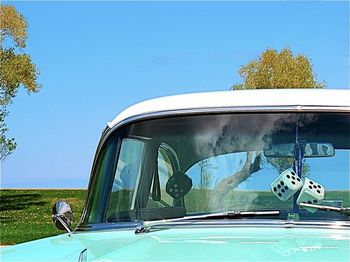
[(97, 58)]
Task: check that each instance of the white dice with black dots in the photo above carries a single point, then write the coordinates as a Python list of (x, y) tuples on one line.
[(311, 193), (286, 185)]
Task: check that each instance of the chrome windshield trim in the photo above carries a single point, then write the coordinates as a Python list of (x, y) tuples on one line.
[(261, 223), (197, 111)]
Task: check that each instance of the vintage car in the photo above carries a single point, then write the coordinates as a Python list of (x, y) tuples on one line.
[(258, 175)]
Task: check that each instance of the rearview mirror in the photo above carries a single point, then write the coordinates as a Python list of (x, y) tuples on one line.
[(308, 150)]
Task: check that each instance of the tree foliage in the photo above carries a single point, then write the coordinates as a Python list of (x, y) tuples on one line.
[(17, 68), (7, 145), (13, 25), (275, 69)]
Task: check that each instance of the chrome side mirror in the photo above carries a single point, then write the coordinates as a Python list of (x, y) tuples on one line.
[(62, 216)]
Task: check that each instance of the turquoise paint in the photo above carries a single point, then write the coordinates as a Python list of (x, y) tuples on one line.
[(191, 244)]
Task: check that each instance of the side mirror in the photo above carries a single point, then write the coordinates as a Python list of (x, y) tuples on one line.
[(62, 216)]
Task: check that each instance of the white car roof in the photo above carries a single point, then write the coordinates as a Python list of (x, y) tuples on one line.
[(237, 99)]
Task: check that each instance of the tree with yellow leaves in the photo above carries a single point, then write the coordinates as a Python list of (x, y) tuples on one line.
[(275, 69), (16, 68)]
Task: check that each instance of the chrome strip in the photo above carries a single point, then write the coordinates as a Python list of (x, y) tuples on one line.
[(83, 256), (265, 224), (262, 223)]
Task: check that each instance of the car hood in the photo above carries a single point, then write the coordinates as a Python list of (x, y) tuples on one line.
[(190, 244)]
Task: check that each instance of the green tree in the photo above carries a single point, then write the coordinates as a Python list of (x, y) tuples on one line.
[(274, 70), (17, 68)]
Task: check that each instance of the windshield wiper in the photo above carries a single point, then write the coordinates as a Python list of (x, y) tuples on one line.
[(342, 210), (230, 214), (145, 227)]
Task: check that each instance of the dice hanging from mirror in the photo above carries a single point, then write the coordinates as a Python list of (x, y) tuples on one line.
[(286, 185), (311, 193)]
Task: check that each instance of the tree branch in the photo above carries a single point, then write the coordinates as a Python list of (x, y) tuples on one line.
[(237, 178)]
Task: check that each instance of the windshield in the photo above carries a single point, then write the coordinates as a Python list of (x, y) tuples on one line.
[(200, 164)]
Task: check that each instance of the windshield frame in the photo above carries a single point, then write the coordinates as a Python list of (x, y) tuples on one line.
[(110, 132)]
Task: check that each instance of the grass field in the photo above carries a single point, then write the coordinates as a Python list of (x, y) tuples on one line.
[(26, 214)]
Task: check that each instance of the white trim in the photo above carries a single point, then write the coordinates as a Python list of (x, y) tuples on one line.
[(238, 99)]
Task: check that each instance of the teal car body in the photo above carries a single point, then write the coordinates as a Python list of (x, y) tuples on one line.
[(197, 178), (192, 244)]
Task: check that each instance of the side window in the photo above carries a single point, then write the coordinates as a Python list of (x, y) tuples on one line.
[(167, 165), (126, 176)]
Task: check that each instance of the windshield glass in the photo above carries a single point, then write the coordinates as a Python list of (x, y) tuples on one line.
[(200, 164)]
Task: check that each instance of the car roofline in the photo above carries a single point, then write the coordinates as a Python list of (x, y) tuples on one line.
[(237, 101)]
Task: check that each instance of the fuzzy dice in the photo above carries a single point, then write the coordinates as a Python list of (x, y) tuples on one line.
[(311, 193), (286, 185)]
